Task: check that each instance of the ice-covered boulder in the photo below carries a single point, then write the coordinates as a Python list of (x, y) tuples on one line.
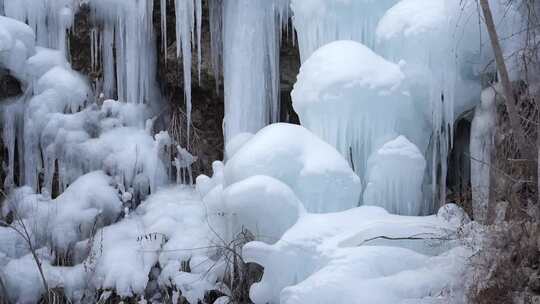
[(350, 97), (395, 174), (319, 176), (263, 205)]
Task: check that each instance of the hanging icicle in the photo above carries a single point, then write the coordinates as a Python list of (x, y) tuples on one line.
[(251, 62)]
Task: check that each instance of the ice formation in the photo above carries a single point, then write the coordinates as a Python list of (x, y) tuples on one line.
[(89, 203), (164, 230), (250, 65), (50, 20), (330, 257), (188, 24), (319, 176), (380, 86), (443, 58), (350, 97), (263, 205), (482, 141), (319, 22), (395, 175), (131, 41)]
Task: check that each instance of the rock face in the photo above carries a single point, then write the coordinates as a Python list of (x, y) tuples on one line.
[(9, 86), (208, 108)]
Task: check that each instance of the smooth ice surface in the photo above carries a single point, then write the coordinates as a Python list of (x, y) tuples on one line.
[(395, 174), (236, 143), (350, 97), (319, 176), (331, 257)]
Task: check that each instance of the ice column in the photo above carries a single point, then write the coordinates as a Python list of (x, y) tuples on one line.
[(188, 25), (128, 29), (395, 176), (481, 145), (251, 62)]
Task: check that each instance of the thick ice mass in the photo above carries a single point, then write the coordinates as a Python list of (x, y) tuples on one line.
[(395, 175), (327, 257), (263, 205), (97, 182), (319, 22), (350, 97), (319, 176), (250, 65)]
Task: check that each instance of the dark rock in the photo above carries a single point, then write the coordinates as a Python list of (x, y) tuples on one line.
[(9, 86)]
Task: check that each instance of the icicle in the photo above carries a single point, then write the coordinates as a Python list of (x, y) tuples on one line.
[(128, 28), (163, 12), (251, 63), (184, 30), (215, 12), (320, 22), (188, 15), (12, 125), (108, 61), (198, 19)]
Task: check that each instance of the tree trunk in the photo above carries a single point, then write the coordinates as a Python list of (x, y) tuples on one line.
[(510, 101)]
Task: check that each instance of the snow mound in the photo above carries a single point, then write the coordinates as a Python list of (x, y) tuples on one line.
[(16, 45), (44, 60), (89, 203), (236, 143), (411, 18), (330, 257), (169, 228), (25, 285), (263, 205), (349, 96), (315, 171), (395, 174)]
